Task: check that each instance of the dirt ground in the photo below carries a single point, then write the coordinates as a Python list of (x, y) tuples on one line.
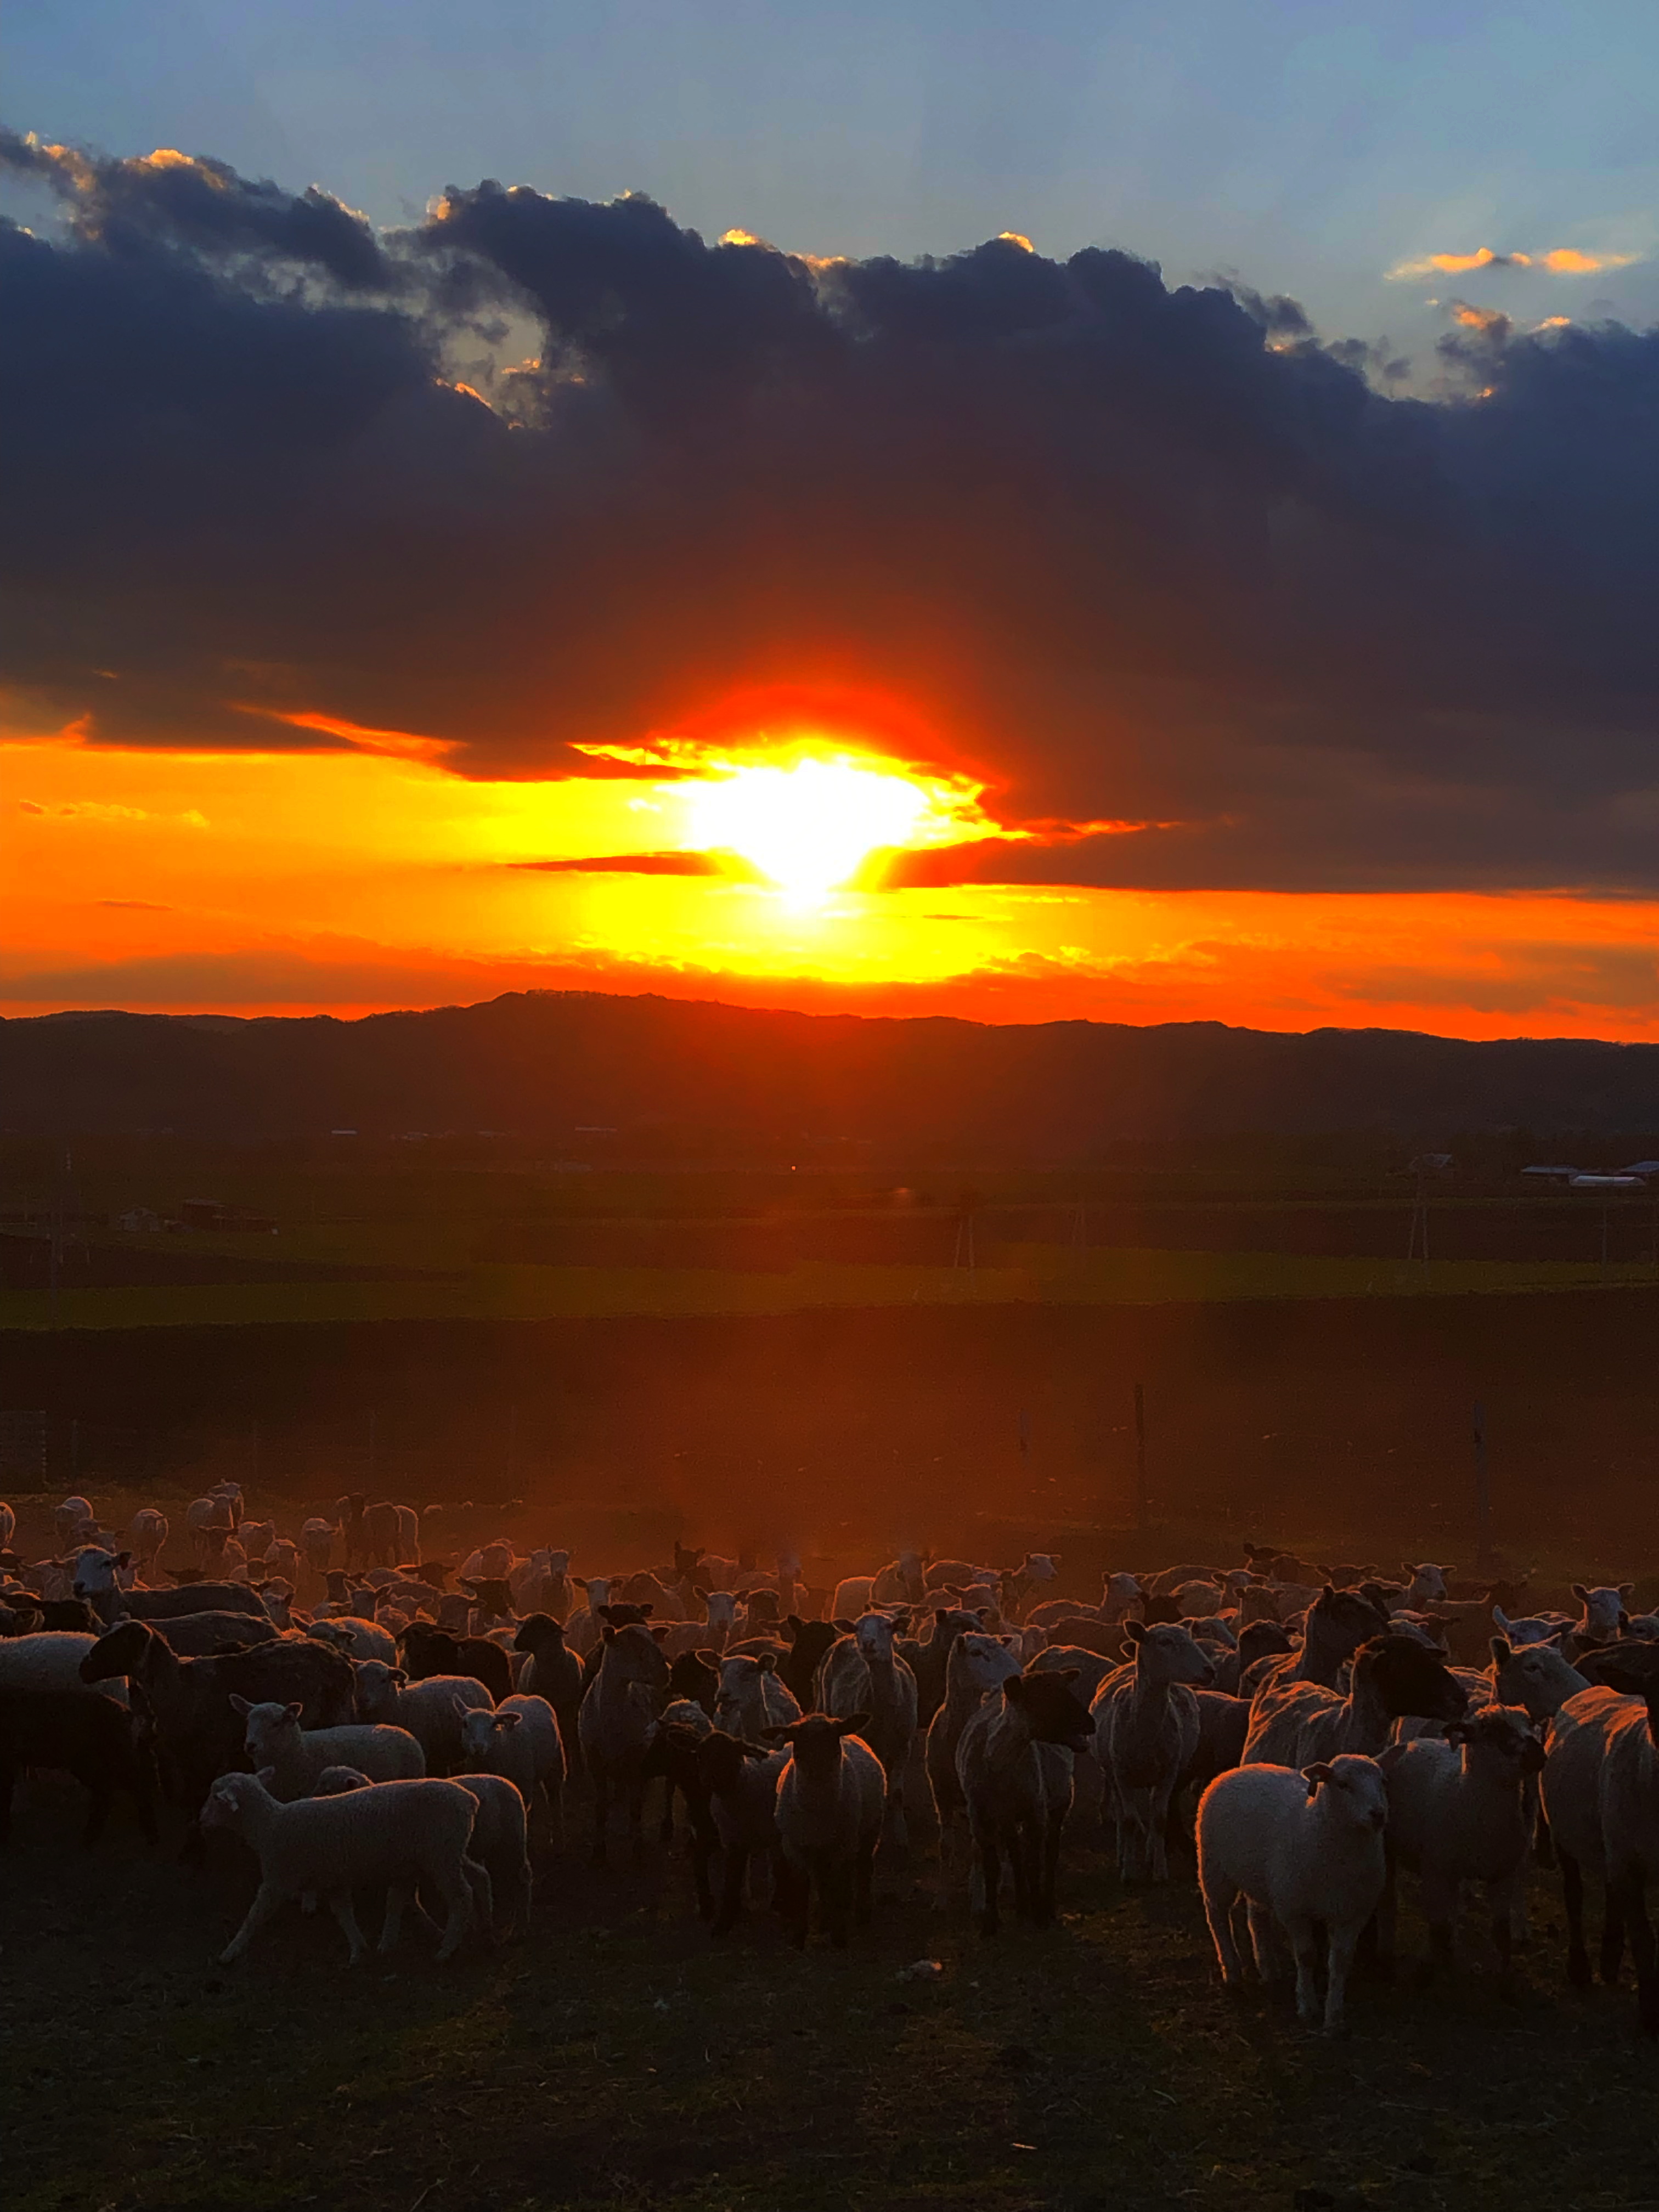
[(623, 2058)]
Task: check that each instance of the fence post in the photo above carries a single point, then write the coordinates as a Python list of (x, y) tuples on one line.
[(1482, 1493)]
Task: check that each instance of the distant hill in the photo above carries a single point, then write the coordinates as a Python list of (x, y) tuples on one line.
[(546, 1064)]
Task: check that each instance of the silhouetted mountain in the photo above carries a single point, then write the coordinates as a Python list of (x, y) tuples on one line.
[(547, 1064)]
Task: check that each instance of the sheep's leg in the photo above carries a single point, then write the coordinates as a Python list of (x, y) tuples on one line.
[(1050, 1880), (552, 1790), (665, 1826), (893, 1821), (1632, 1892), (1612, 1933), (704, 1845), (1572, 1900), (864, 1868), (1501, 1897), (483, 1895), (1384, 1921), (601, 1811), (837, 1886), (339, 1904), (1341, 1942), (1306, 1948), (267, 1900), (736, 1865), (1217, 1910), (453, 1886), (990, 1867), (1543, 1843), (1157, 1835)]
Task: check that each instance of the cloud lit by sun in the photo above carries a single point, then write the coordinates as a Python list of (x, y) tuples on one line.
[(809, 826)]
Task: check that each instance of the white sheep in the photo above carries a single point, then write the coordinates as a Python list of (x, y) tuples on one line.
[(395, 1832), (317, 1543), (1459, 1811), (975, 1666), (147, 1538), (357, 1638), (1575, 1750), (71, 1520), (1630, 1836), (752, 1698), (1603, 1613), (519, 1741), (1145, 1721), (863, 1673), (1305, 1850), (426, 1709), (51, 1661), (296, 1756)]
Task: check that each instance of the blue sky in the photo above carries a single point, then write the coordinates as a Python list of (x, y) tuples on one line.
[(1309, 145)]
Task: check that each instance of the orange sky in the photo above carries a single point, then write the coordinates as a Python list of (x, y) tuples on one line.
[(355, 880)]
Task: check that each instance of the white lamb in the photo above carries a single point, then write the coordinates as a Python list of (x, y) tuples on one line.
[(396, 1833), (1459, 1811), (1305, 1850), (297, 1756), (519, 1741), (426, 1709)]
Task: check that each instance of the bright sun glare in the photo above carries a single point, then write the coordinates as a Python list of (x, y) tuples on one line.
[(806, 827)]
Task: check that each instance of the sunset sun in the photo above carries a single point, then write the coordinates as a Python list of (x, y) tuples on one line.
[(808, 827)]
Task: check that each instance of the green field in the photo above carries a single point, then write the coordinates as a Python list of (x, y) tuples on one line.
[(1039, 1274)]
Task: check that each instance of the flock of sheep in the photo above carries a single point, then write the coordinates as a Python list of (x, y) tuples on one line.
[(1316, 1731)]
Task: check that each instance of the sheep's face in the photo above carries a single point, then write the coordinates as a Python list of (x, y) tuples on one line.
[(1537, 1677), (1355, 1790), (1499, 1736), (269, 1728), (874, 1634), (93, 1571), (1170, 1653), (984, 1661)]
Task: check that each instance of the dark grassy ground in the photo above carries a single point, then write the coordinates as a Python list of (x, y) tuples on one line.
[(620, 2059)]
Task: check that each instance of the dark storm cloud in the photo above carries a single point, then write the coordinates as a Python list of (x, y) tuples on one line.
[(1135, 554)]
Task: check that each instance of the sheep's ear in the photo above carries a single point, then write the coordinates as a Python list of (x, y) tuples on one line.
[(851, 1724), (842, 1627), (708, 1658), (266, 1776), (660, 1630), (1578, 1591), (767, 1662), (1135, 1631), (398, 1674), (1313, 1775), (294, 1710), (507, 1720), (1391, 1755), (646, 1611), (240, 1704), (783, 1732), (1502, 1649), (1501, 1620), (1067, 1675), (459, 1707), (1624, 1589)]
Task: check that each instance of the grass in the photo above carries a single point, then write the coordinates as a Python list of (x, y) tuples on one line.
[(1026, 1273), (620, 2059)]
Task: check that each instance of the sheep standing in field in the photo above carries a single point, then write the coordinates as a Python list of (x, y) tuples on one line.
[(51, 1660), (296, 1756), (1306, 1851), (929, 1658), (395, 1832), (146, 1541), (317, 1543), (615, 1726), (1601, 1792), (829, 1812), (1393, 1676), (8, 1526), (1458, 1812), (426, 1709), (977, 1666), (864, 1674), (70, 1521), (1014, 1766), (555, 1673), (1630, 1836), (753, 1697), (1337, 1623), (740, 1781), (519, 1741), (1147, 1732), (98, 1741)]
